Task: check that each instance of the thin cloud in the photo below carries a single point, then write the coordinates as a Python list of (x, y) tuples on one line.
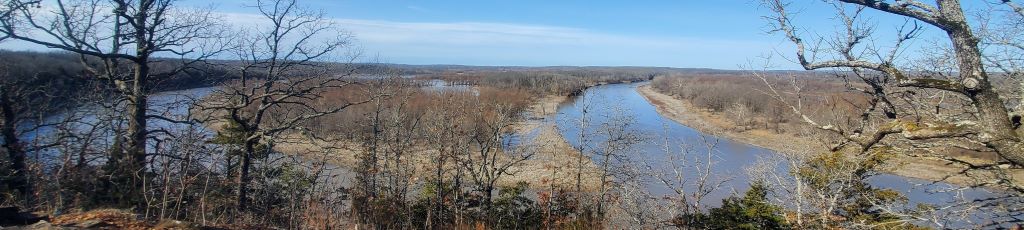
[(418, 9), (517, 44), (484, 43)]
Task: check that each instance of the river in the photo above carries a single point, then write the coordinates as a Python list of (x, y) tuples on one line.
[(730, 159), (602, 103)]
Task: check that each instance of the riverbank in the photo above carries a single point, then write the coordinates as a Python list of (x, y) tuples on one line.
[(553, 164), (716, 124)]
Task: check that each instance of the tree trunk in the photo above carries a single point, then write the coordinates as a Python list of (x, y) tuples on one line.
[(488, 197), (605, 164), (243, 176), (136, 109), (15, 152), (997, 129), (136, 142), (135, 164)]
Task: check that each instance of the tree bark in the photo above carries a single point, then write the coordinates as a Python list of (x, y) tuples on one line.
[(243, 176), (15, 152), (998, 131), (136, 109), (136, 137)]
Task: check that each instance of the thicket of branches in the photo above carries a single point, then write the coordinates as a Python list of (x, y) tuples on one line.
[(297, 136), (959, 93), (231, 157)]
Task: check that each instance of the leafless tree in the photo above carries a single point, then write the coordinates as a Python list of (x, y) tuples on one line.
[(181, 163), (68, 144), (612, 154), (688, 173), (583, 138), (492, 158), (949, 100), (396, 133), (33, 122), (953, 102), (118, 41), (634, 201), (960, 95), (386, 164), (445, 131), (741, 114), (12, 143), (285, 69)]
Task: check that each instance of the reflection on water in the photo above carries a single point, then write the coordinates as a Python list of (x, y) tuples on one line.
[(730, 159), (663, 138), (95, 120)]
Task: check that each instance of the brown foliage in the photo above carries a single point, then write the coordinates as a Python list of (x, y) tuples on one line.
[(543, 82), (104, 218), (826, 97)]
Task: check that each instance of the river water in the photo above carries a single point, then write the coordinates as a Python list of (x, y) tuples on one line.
[(663, 139), (730, 159)]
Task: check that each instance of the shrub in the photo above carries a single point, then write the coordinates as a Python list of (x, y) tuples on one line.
[(752, 211)]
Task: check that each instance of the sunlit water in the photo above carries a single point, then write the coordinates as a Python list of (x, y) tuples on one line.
[(730, 159)]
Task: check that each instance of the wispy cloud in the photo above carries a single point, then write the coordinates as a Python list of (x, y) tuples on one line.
[(519, 44), (418, 9), (484, 43)]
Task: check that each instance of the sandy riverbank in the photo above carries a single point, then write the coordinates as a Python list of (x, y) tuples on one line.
[(716, 124), (556, 160)]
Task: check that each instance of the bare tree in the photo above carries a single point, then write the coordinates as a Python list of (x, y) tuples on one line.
[(385, 163), (12, 145), (285, 69), (958, 96), (31, 121), (491, 160), (582, 148), (634, 200), (741, 114), (118, 41), (612, 155), (688, 174), (971, 112), (445, 132), (10, 113)]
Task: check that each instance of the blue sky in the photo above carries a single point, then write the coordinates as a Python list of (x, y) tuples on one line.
[(715, 34), (724, 34)]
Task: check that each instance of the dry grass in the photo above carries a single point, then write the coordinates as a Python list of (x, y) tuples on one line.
[(102, 219), (125, 219), (554, 164), (717, 124)]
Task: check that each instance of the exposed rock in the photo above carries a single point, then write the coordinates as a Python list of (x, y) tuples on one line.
[(177, 225), (93, 224), (39, 225)]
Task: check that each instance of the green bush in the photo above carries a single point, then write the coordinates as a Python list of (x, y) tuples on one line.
[(512, 210), (752, 211)]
